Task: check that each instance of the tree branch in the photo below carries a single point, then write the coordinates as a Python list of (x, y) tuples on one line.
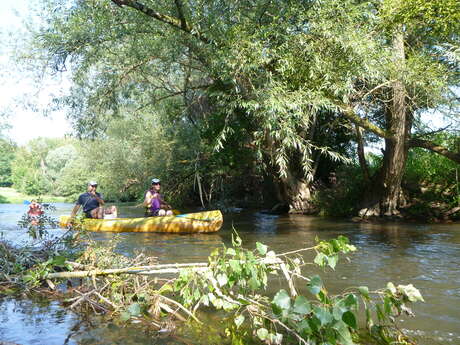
[(351, 115), (178, 23), (180, 12), (429, 145)]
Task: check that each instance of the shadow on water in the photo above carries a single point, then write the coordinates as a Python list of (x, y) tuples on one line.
[(427, 256)]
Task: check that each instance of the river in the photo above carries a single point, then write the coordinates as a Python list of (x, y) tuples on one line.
[(427, 256)]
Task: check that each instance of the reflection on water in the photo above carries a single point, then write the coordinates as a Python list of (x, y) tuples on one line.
[(427, 256), (32, 322)]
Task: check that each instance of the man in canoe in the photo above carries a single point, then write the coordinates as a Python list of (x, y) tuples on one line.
[(92, 204), (154, 202)]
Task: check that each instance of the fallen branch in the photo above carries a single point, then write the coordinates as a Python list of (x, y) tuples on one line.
[(145, 270)]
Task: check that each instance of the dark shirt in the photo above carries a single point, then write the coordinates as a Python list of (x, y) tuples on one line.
[(88, 201)]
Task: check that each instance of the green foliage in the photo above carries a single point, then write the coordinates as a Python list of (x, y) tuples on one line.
[(35, 276), (433, 178), (236, 278), (7, 151), (36, 225), (38, 168), (262, 89)]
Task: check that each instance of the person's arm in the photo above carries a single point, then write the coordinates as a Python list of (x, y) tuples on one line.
[(74, 211), (164, 204), (148, 199), (98, 198)]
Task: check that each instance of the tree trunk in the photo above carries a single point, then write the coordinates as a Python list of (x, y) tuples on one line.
[(296, 194), (361, 156), (386, 195)]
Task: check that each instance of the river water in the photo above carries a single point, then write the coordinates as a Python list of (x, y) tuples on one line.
[(427, 256)]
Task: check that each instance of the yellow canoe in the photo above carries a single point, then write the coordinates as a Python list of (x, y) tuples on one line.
[(208, 221)]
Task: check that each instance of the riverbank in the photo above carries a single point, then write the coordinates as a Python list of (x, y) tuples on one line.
[(11, 196)]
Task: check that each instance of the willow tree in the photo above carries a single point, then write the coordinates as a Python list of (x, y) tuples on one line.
[(200, 64), (420, 37), (277, 78)]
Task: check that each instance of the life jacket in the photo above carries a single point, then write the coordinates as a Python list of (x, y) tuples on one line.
[(155, 204)]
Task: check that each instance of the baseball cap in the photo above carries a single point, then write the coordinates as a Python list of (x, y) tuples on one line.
[(92, 183), (155, 181)]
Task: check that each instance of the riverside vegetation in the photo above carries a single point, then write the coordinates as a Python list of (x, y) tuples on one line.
[(91, 277), (239, 103)]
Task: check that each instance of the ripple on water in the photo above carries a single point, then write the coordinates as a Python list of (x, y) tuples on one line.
[(29, 322), (426, 256)]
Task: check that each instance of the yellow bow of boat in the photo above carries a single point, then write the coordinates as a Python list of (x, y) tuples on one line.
[(208, 221)]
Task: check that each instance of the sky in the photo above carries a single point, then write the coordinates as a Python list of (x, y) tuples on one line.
[(14, 86)]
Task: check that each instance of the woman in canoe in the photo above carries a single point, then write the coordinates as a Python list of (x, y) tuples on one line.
[(154, 202)]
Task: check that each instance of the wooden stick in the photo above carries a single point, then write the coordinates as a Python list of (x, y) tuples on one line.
[(156, 269)]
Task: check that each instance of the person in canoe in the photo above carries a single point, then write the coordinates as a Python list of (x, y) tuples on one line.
[(154, 202), (92, 203), (34, 212)]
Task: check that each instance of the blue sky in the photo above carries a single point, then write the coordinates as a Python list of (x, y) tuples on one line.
[(14, 85)]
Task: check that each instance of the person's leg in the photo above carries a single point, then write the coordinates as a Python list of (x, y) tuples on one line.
[(161, 212), (97, 213), (169, 213)]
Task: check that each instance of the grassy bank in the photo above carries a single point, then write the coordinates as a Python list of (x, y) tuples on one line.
[(11, 196)]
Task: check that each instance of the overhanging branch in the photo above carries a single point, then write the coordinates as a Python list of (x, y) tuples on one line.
[(178, 23), (351, 115), (429, 145)]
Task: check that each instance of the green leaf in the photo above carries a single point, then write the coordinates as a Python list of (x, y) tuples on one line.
[(254, 283), (205, 300), (222, 279), (228, 306), (350, 301), (332, 261), (134, 309), (315, 285), (304, 328), (125, 316), (235, 265), (302, 305), (59, 261), (350, 319), (282, 300), (323, 315), (231, 251), (364, 290), (166, 288), (320, 259), (262, 248), (387, 303), (275, 338), (344, 333), (218, 303), (262, 333), (239, 320), (338, 310), (391, 288), (411, 292)]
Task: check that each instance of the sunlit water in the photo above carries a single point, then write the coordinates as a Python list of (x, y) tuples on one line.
[(427, 256)]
